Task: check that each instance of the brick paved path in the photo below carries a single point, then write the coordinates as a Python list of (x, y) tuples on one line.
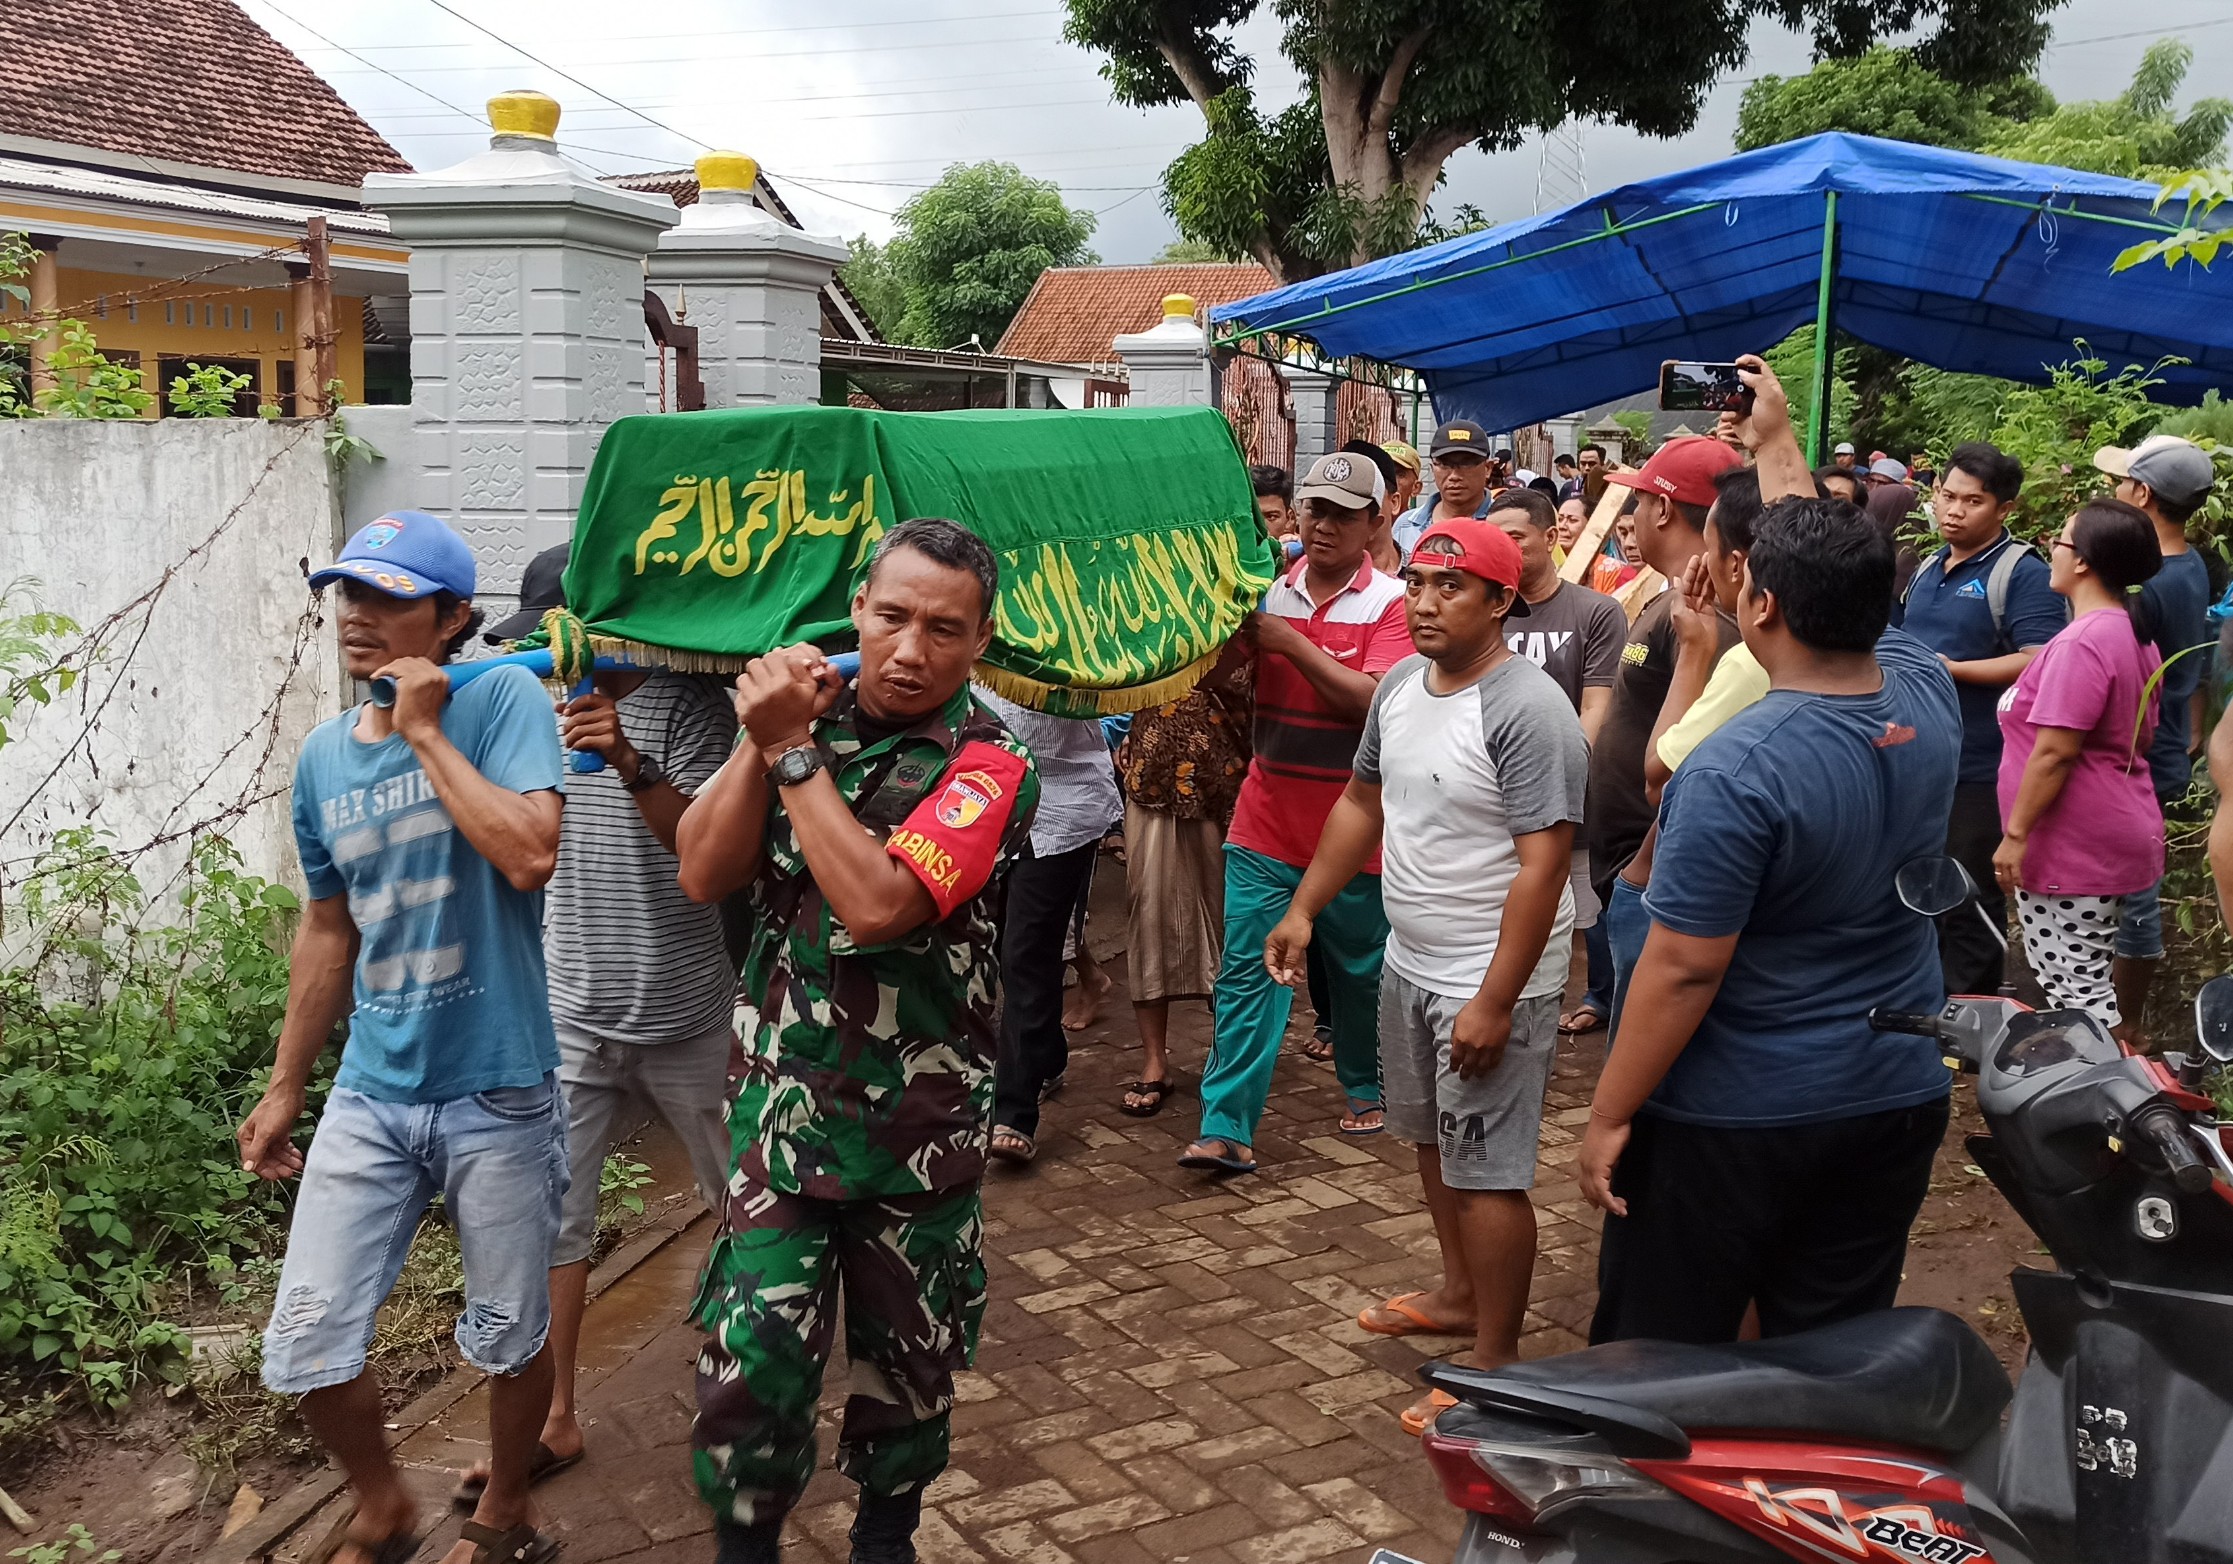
[(1171, 1366)]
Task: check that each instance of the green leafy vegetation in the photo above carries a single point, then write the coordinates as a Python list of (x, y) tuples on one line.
[(1393, 88), (970, 247), (1896, 94), (129, 1050), (75, 1546), (207, 391), (28, 637)]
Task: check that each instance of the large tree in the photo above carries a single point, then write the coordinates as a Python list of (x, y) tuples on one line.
[(1887, 92), (970, 247), (1397, 86)]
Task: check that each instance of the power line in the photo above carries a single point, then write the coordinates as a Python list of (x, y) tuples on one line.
[(821, 52), (383, 70), (448, 9), (762, 32)]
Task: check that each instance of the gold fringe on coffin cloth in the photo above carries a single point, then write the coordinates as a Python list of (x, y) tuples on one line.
[(1061, 700)]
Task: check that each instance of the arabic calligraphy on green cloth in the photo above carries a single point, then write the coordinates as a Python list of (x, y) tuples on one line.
[(1127, 538)]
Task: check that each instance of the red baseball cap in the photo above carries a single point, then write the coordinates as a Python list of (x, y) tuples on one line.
[(1484, 550), (1683, 469)]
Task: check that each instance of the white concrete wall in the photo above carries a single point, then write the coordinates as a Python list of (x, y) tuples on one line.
[(207, 708), (370, 489)]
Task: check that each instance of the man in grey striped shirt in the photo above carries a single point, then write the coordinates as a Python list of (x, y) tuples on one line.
[(642, 991)]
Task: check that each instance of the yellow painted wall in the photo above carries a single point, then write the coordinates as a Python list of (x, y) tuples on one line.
[(201, 320)]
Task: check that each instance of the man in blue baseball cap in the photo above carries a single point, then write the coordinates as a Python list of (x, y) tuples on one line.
[(426, 831)]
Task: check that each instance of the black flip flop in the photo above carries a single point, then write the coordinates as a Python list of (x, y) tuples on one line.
[(523, 1544), (1153, 1091), (396, 1548), (545, 1462), (1203, 1162)]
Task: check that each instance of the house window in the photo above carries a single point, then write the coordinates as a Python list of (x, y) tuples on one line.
[(279, 321), (228, 317), (169, 313), (209, 314), (246, 324), (101, 307), (131, 309)]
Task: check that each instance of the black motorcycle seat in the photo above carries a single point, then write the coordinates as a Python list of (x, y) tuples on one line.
[(1913, 1377)]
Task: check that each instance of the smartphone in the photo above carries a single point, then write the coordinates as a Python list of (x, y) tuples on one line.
[(1687, 386)]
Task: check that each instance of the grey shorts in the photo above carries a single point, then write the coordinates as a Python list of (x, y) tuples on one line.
[(612, 1089), (1485, 1128)]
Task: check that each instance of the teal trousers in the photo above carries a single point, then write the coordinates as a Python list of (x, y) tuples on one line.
[(1251, 1009)]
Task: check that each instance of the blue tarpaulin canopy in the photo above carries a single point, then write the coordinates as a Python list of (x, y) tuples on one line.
[(1966, 262)]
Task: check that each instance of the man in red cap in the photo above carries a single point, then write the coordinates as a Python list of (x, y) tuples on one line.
[(1673, 492), (1469, 782)]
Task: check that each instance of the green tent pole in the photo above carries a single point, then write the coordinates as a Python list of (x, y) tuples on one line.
[(1818, 422)]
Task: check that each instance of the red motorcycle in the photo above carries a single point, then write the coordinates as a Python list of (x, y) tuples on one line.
[(1884, 1438)]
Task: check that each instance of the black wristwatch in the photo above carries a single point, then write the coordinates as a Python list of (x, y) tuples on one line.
[(796, 764), (648, 774)]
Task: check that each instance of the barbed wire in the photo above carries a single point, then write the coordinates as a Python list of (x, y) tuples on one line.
[(106, 659), (156, 293)]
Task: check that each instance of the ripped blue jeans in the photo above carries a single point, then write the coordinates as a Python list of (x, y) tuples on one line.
[(499, 1160)]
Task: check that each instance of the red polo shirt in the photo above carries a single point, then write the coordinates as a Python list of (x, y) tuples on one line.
[(1303, 751)]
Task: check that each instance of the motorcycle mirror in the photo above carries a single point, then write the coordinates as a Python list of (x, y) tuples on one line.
[(1932, 886), (2213, 1019)]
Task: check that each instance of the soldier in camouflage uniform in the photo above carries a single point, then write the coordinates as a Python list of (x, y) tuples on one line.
[(859, 1124)]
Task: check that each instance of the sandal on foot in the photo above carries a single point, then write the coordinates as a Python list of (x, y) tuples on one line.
[(545, 1462), (1570, 1026), (1425, 1410), (1153, 1091), (1319, 1050), (1411, 1321), (1053, 1088), (1225, 1159), (523, 1544), (1353, 1122), (396, 1548), (1018, 1150)]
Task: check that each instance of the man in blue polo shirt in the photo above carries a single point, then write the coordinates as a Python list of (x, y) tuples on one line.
[(1459, 454), (1983, 604)]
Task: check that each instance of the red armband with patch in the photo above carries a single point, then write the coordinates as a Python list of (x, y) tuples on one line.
[(952, 840)]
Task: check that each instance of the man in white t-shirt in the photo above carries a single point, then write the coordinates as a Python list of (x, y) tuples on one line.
[(1470, 780)]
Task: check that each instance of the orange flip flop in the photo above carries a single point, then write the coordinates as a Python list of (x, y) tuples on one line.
[(1400, 1305), (1425, 1410)]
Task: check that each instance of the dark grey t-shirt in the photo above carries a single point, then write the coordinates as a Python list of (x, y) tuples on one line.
[(1574, 635), (630, 956)]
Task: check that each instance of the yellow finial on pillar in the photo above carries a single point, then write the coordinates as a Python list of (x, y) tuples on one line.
[(1178, 306), (727, 171), (524, 113)]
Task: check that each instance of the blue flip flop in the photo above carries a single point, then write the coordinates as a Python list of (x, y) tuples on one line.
[(1209, 1164)]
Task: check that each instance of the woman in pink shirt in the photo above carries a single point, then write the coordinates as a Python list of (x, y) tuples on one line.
[(2079, 813)]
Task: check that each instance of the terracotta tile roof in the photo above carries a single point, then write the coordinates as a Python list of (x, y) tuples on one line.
[(190, 81), (1073, 313)]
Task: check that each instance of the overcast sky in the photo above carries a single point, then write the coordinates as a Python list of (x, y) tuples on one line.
[(851, 115)]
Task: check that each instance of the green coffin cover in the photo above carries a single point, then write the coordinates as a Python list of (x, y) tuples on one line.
[(1128, 541)]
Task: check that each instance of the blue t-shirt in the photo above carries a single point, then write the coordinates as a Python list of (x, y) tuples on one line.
[(2177, 599), (1948, 611), (450, 994), (1412, 525), (1785, 828)]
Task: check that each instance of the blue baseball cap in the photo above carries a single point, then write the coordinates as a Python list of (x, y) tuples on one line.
[(406, 553)]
